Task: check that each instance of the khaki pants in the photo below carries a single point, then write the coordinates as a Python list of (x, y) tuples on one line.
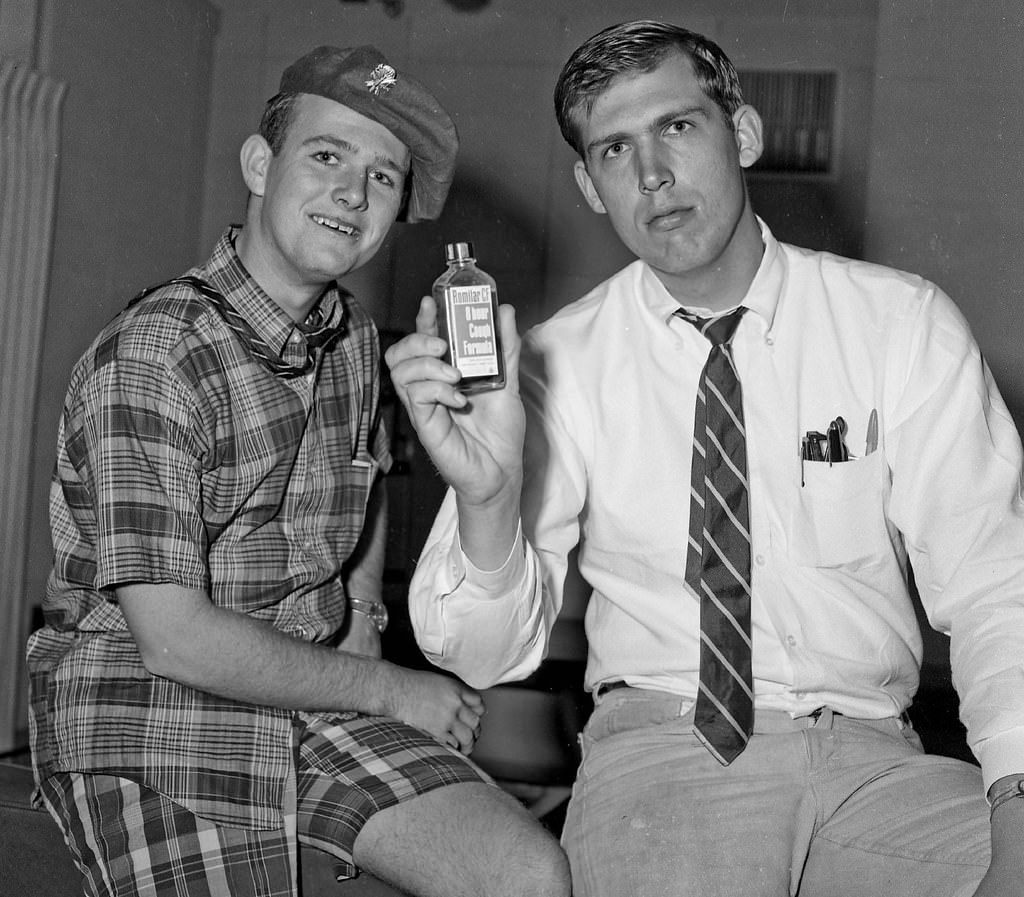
[(825, 806)]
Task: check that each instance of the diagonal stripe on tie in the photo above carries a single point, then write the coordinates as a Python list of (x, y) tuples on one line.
[(726, 615), (693, 544), (737, 681), (733, 518), (736, 676), (729, 462), (723, 709), (737, 585), (727, 408)]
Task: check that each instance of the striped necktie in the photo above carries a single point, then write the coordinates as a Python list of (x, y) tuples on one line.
[(718, 557)]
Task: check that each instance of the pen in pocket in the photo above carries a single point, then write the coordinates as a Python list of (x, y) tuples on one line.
[(872, 439), (836, 448)]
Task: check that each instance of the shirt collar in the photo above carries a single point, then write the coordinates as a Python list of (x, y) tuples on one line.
[(765, 289), (762, 295), (282, 335)]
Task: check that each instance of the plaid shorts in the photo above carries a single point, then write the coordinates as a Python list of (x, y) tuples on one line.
[(129, 840)]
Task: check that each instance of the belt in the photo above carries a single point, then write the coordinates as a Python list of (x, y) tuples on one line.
[(814, 715), (606, 687)]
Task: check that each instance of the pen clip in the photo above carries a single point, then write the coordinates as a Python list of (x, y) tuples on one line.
[(810, 446), (810, 450), (835, 450)]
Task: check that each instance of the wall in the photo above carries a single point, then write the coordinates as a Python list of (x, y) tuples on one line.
[(946, 185), (19, 25), (30, 115)]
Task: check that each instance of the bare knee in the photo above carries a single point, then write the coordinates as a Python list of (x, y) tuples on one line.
[(540, 870), (468, 840), (525, 860)]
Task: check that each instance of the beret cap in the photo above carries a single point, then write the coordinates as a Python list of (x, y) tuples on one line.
[(360, 78)]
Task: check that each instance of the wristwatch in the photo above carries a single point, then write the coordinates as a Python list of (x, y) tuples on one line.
[(375, 610), (1010, 790)]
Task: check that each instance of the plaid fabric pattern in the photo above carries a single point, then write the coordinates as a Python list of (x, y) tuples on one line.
[(351, 768), (182, 458), (129, 840)]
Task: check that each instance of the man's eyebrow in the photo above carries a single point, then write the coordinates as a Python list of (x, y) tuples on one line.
[(688, 112), (380, 159), (658, 123)]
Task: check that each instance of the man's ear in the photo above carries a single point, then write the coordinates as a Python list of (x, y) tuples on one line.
[(255, 157), (587, 187), (749, 141)]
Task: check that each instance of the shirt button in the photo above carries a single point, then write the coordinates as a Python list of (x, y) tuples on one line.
[(760, 560), (800, 695), (770, 340), (791, 641)]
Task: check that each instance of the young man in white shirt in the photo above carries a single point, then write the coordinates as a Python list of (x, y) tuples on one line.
[(828, 791)]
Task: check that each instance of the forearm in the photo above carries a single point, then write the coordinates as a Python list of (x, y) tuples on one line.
[(363, 576), (1003, 877), (364, 571), (487, 532), (184, 637)]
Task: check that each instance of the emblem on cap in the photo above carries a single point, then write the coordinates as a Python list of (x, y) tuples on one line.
[(382, 79)]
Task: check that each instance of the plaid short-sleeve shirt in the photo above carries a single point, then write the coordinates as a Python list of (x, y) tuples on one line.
[(183, 458)]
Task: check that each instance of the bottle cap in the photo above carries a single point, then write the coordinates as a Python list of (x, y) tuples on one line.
[(458, 252)]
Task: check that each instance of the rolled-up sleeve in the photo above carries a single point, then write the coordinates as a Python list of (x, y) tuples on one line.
[(484, 626)]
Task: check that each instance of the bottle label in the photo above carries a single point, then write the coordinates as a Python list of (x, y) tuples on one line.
[(471, 330)]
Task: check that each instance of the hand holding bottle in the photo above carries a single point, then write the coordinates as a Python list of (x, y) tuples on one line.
[(476, 441)]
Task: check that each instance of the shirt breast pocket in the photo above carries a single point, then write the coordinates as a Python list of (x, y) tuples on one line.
[(838, 518)]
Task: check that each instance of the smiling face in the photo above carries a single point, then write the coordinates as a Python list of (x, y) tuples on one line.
[(663, 163), (322, 206)]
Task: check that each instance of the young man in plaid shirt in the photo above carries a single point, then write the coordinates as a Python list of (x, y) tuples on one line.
[(208, 690)]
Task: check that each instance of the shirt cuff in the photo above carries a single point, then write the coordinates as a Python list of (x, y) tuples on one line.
[(1001, 755), (492, 582)]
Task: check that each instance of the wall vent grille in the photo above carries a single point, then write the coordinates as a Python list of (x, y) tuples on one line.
[(798, 110)]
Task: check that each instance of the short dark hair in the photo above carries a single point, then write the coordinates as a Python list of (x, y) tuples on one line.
[(638, 47), (277, 115)]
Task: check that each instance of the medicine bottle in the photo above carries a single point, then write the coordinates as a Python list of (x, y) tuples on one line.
[(467, 317)]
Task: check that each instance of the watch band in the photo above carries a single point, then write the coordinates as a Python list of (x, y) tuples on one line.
[(375, 610), (1007, 792)]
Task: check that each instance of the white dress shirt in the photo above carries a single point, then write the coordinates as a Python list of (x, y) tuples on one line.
[(609, 385)]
